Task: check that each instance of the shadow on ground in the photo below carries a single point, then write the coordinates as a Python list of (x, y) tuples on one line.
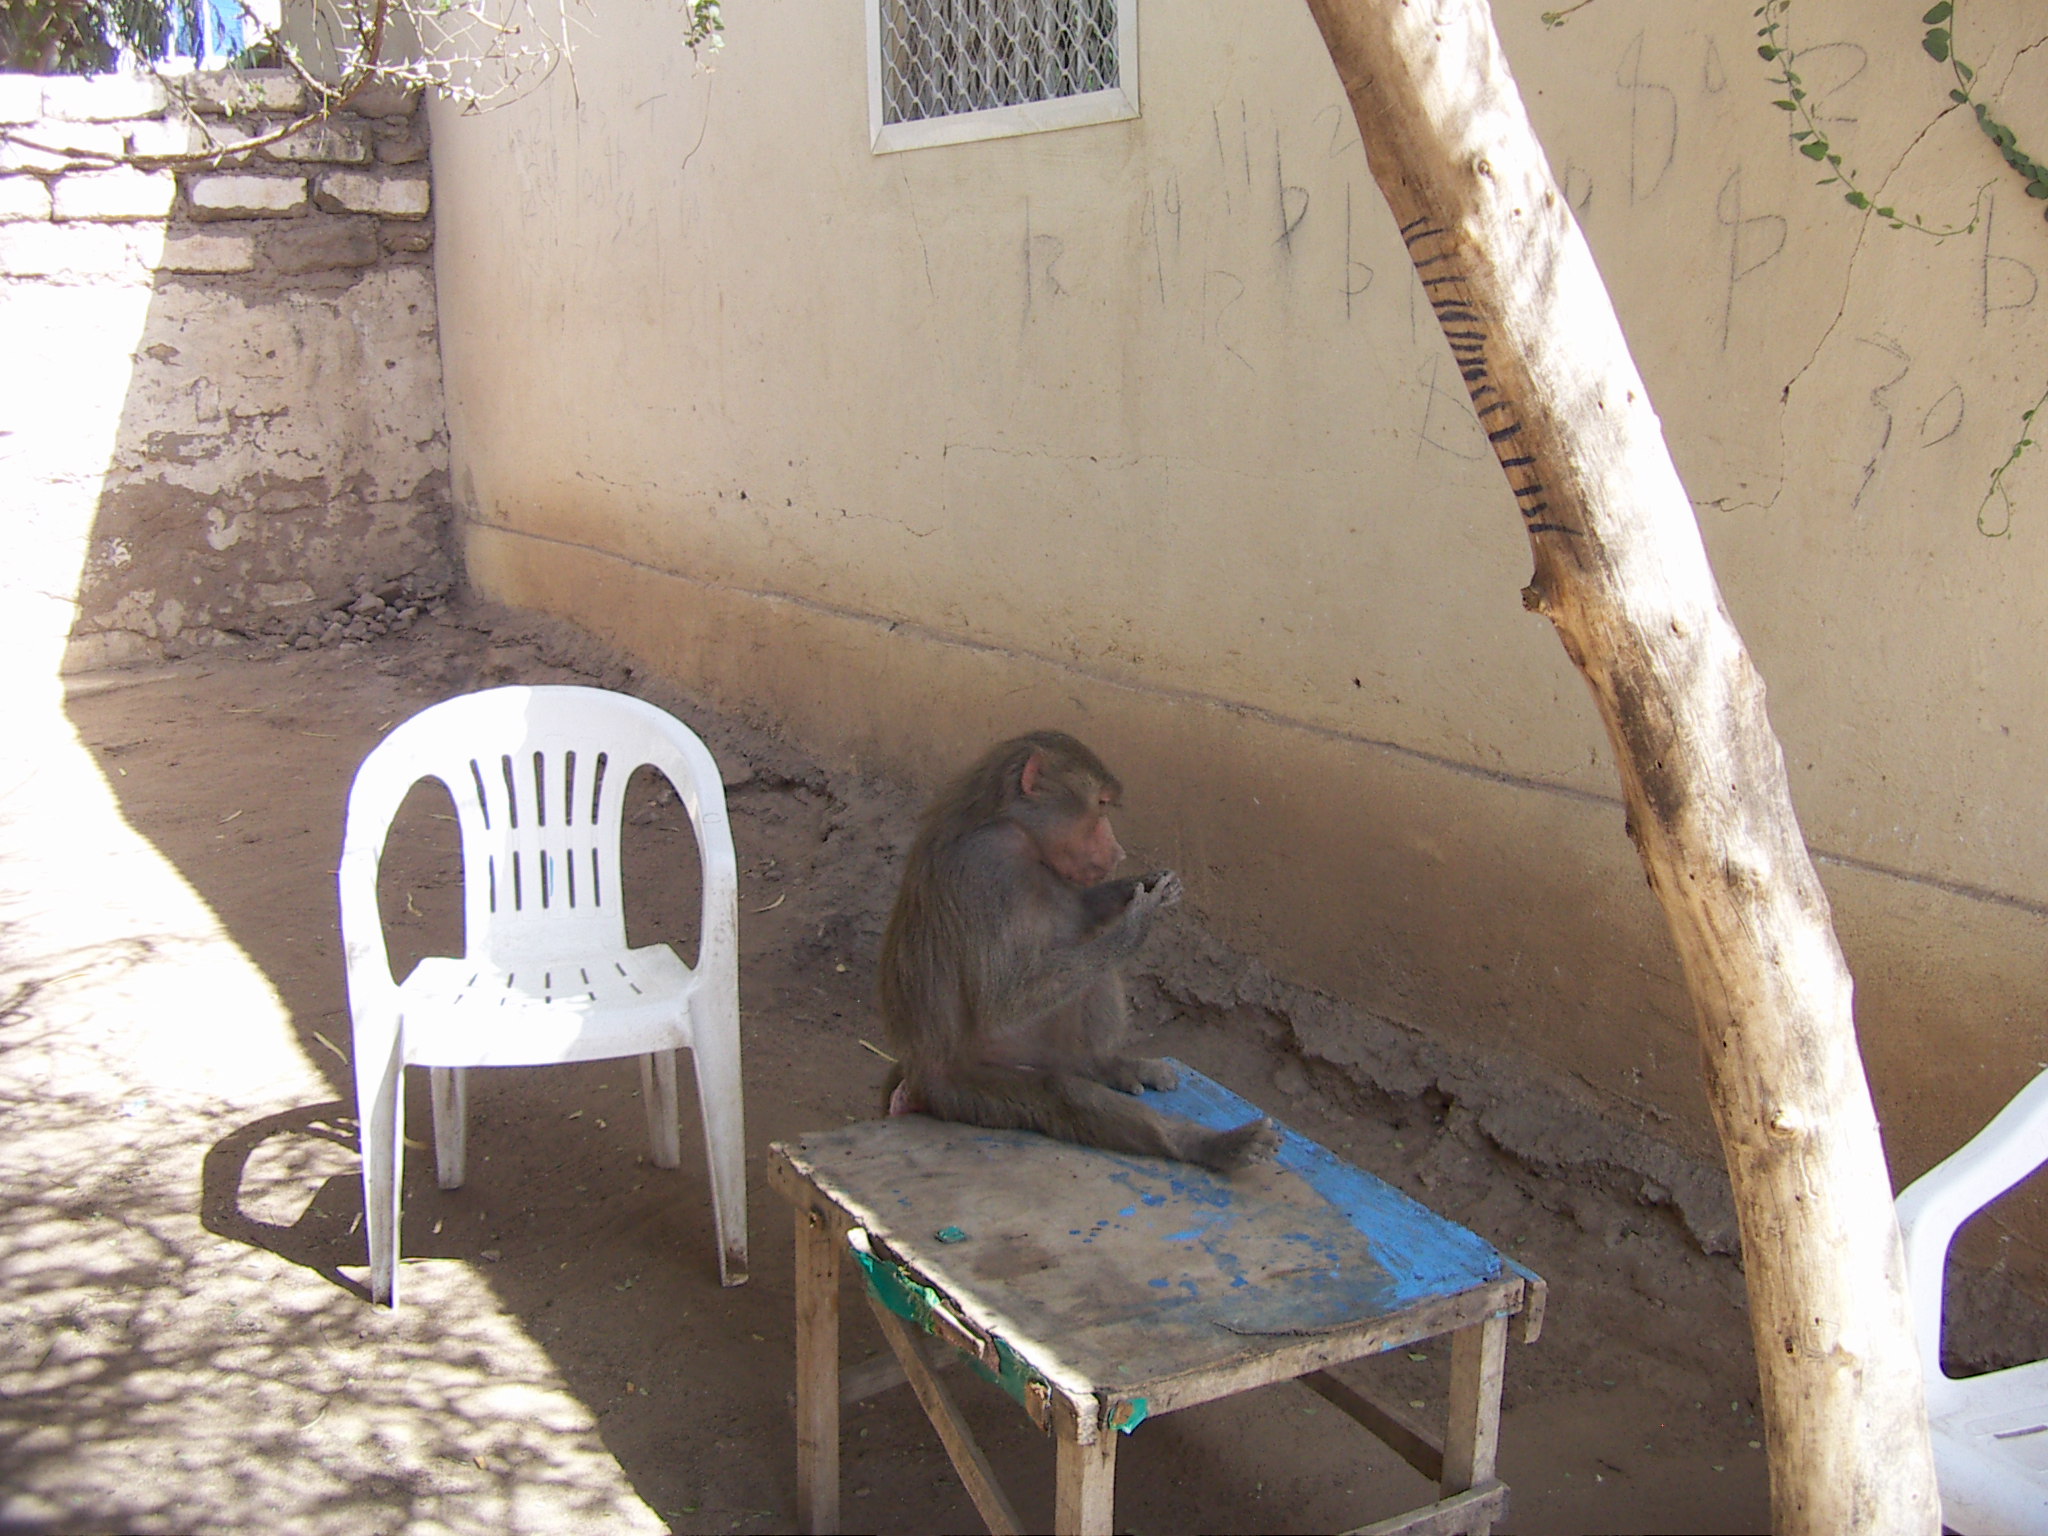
[(191, 1347)]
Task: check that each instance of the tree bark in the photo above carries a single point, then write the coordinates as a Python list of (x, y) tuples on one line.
[(1621, 572)]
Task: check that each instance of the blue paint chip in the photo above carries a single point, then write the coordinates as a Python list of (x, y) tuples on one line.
[(1129, 1210), (1159, 1284)]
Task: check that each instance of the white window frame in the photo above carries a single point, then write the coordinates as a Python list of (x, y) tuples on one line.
[(1117, 104)]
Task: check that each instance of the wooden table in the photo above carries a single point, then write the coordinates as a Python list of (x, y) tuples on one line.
[(1101, 1290)]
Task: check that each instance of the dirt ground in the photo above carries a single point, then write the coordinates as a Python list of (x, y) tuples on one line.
[(184, 1342)]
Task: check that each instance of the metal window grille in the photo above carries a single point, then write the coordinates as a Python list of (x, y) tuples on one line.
[(940, 58)]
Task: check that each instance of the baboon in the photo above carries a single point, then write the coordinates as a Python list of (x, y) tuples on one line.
[(1000, 979)]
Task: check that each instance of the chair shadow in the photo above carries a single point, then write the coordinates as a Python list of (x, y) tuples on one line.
[(327, 1233)]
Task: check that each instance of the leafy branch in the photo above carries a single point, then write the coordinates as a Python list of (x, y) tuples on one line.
[(478, 54), (365, 65), (1811, 136)]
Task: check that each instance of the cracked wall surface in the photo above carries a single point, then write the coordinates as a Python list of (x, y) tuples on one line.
[(1144, 430), (281, 435)]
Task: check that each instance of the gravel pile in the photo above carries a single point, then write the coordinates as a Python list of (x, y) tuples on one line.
[(379, 606)]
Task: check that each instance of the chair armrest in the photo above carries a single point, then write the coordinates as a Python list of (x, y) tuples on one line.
[(373, 800), (692, 771), (1937, 1203)]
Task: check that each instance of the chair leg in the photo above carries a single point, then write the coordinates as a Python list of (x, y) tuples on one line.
[(723, 1110), (380, 1119), (658, 1088), (451, 1124)]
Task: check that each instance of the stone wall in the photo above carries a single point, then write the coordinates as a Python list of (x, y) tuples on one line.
[(280, 449)]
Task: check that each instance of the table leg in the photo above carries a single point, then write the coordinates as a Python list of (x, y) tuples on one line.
[(980, 1478), (1084, 1500), (1472, 1437), (817, 1374)]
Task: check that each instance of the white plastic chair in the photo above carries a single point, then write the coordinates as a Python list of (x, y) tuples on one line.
[(538, 777), (1991, 1431)]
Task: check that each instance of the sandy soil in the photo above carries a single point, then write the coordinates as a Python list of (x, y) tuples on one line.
[(183, 1339)]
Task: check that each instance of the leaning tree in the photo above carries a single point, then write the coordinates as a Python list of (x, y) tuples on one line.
[(1621, 571)]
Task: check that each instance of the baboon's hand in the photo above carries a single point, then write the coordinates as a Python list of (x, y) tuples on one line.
[(1160, 890)]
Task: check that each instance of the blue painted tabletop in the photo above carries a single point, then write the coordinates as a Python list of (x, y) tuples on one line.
[(1108, 1270)]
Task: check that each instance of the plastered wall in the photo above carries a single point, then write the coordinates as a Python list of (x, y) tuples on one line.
[(1142, 430)]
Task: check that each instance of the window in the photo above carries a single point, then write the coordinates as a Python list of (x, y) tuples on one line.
[(946, 71)]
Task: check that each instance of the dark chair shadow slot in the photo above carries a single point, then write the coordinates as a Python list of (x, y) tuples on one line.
[(328, 1233)]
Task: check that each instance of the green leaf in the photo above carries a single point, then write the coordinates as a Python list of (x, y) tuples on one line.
[(1798, 94), (2037, 189), (1960, 98), (1939, 14), (1855, 199), (1816, 150), (1887, 213), (1767, 53), (1786, 106), (1965, 71), (1835, 161), (1936, 44), (1804, 133)]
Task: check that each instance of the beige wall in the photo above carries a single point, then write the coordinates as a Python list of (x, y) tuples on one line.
[(1142, 430)]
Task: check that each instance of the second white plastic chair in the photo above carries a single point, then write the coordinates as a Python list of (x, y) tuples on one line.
[(1990, 1431), (538, 777)]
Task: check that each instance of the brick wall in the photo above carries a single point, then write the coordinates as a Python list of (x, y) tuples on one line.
[(279, 449)]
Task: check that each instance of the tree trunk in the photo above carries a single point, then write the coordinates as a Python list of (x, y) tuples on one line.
[(1622, 573)]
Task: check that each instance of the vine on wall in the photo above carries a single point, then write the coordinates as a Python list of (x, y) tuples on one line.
[(1939, 42), (1810, 137)]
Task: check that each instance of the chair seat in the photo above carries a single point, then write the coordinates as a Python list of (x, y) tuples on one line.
[(470, 1013), (1991, 1444)]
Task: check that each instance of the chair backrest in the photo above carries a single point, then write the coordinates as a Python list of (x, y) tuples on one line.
[(538, 778), (1936, 1204)]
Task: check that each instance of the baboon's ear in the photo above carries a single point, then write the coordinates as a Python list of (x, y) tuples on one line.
[(1033, 771)]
